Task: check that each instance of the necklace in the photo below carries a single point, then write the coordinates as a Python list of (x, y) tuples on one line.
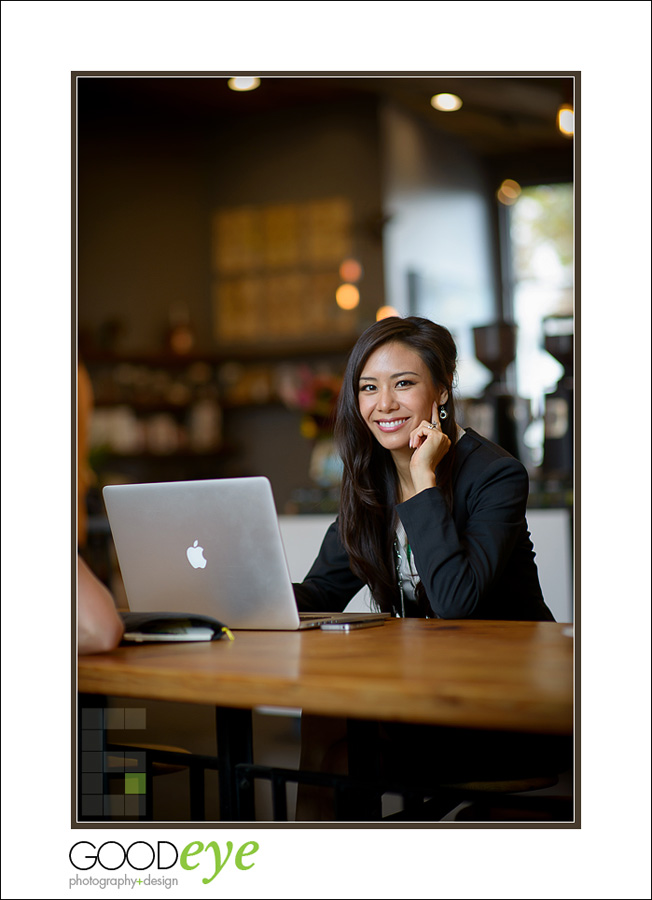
[(398, 558), (399, 574)]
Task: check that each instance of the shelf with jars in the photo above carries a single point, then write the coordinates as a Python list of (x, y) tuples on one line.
[(154, 411)]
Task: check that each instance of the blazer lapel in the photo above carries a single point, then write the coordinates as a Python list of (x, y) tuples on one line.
[(467, 445)]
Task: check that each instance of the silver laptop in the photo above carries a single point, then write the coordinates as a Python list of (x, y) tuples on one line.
[(209, 548)]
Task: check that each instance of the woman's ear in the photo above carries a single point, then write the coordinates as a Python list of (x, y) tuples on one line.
[(443, 397)]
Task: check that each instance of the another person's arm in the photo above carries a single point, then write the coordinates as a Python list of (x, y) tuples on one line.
[(99, 627)]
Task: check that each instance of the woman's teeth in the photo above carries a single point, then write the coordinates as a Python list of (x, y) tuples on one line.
[(393, 425)]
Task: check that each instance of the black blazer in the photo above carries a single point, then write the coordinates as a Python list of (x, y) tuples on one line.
[(474, 563)]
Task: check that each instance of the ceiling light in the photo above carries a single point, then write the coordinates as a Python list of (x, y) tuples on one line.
[(566, 120), (446, 102), (244, 83)]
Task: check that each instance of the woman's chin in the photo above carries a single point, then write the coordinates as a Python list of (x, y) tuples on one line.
[(395, 443)]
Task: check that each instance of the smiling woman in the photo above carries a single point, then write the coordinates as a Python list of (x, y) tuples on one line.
[(432, 517)]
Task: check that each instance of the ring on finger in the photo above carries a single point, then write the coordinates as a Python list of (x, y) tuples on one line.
[(434, 426)]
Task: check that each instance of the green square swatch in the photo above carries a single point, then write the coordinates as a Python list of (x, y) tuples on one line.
[(135, 783)]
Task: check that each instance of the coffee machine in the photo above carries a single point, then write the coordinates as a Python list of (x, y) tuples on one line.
[(501, 415)]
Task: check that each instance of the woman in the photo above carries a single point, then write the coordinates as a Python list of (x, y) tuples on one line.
[(432, 517)]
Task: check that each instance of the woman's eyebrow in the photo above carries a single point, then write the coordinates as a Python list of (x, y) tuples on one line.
[(395, 375)]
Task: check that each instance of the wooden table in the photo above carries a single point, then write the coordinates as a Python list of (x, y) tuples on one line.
[(512, 676), (482, 674)]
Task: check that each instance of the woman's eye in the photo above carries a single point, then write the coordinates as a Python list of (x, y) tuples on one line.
[(366, 388), (404, 383)]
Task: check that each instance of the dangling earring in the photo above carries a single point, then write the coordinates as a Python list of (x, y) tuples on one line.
[(442, 412)]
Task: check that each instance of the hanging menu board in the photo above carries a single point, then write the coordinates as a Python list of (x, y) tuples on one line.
[(275, 271)]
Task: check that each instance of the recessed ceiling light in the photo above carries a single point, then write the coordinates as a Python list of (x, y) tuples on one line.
[(244, 83), (446, 102), (566, 120)]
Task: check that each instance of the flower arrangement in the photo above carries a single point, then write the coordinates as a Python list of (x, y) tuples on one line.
[(314, 394)]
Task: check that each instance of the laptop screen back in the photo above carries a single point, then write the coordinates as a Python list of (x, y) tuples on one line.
[(204, 547)]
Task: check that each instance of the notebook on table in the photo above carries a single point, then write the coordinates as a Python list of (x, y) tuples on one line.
[(210, 548)]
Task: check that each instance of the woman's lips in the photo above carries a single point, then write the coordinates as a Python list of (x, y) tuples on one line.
[(390, 425)]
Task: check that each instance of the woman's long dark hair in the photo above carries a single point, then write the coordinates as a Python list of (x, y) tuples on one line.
[(370, 486)]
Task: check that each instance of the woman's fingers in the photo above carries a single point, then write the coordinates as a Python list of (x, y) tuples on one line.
[(420, 434), (430, 446), (425, 431), (430, 443)]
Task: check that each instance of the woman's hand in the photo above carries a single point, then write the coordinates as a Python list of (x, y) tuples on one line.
[(430, 446)]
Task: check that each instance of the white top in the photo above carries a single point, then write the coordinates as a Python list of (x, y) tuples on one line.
[(407, 568)]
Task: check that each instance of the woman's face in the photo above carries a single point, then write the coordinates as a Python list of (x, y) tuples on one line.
[(396, 393)]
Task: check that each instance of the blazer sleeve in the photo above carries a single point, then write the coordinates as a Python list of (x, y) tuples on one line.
[(458, 567), (330, 583)]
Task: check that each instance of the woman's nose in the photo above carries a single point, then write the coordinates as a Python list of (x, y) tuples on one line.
[(386, 399)]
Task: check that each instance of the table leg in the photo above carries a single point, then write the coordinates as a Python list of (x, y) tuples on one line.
[(359, 804), (234, 745)]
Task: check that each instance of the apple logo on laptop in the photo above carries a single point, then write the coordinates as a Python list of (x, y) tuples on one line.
[(195, 556)]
